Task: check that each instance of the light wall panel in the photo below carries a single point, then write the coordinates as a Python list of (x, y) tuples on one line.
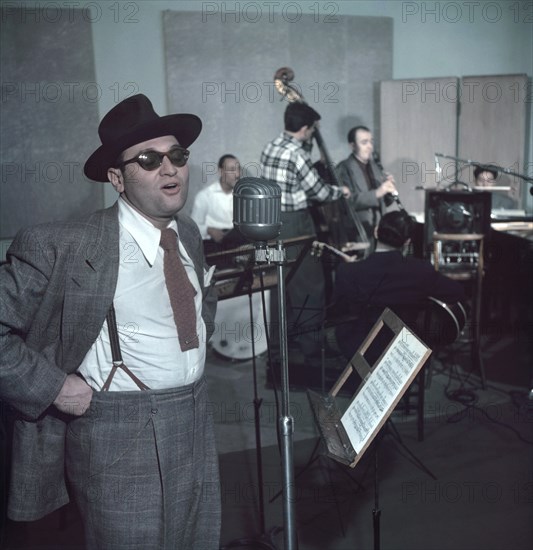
[(492, 126), (418, 119)]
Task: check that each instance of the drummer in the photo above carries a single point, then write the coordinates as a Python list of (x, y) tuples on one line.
[(213, 212), (213, 206)]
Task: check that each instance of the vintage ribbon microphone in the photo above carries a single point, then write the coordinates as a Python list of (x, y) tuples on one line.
[(257, 216)]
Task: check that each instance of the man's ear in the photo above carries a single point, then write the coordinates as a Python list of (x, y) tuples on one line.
[(116, 178)]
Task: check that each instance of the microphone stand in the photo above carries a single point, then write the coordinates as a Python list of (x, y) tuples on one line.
[(489, 167), (265, 254), (257, 212)]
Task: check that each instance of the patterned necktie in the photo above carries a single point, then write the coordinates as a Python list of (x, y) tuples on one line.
[(180, 291)]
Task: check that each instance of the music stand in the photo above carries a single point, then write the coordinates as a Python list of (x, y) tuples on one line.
[(345, 438), (387, 361)]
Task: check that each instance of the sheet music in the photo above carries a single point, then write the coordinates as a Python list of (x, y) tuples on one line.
[(382, 387)]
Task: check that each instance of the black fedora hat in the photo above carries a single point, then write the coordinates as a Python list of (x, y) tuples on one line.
[(133, 121)]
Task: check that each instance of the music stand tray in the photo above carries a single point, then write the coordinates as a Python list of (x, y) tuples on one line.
[(387, 361)]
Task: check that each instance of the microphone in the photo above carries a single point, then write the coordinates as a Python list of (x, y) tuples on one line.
[(257, 209)]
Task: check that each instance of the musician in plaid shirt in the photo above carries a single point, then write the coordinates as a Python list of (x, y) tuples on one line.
[(287, 161)]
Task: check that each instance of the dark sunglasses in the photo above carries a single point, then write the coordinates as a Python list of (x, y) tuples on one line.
[(152, 160)]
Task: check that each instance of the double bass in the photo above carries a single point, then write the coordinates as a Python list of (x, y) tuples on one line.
[(336, 221)]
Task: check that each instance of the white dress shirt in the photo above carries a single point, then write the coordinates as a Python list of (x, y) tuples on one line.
[(145, 322), (213, 207)]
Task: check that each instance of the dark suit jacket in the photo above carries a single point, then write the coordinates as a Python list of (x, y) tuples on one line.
[(57, 287), (363, 201), (387, 279)]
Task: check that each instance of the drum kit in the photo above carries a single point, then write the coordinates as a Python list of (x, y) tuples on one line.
[(243, 288), (240, 331), (243, 304)]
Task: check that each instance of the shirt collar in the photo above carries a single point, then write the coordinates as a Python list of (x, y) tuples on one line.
[(363, 165), (291, 139), (146, 235), (218, 189)]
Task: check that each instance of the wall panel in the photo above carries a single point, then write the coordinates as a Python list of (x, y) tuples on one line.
[(492, 126), (49, 113), (418, 119), (480, 119), (223, 71)]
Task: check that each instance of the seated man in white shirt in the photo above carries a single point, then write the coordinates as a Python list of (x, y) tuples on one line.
[(213, 205)]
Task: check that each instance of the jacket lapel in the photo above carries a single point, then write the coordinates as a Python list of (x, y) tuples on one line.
[(356, 174), (90, 285), (194, 252)]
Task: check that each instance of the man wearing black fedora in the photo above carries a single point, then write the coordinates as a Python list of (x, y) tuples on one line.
[(104, 324)]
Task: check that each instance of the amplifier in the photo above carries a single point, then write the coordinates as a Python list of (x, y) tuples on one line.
[(457, 213)]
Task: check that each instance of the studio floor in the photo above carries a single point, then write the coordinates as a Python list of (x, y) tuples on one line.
[(467, 486)]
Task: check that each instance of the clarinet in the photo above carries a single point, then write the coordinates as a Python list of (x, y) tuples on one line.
[(388, 198)]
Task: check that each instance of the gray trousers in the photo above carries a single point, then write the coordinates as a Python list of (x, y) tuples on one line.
[(143, 469)]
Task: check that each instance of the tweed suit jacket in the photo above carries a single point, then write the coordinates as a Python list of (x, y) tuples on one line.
[(57, 287)]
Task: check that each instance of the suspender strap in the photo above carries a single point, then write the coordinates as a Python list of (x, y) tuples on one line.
[(116, 353), (113, 335)]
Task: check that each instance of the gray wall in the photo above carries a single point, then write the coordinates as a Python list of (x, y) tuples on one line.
[(460, 38), (49, 98)]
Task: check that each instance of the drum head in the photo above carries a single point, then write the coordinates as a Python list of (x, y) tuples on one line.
[(236, 336)]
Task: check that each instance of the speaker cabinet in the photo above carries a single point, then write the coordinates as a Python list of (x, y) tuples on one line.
[(456, 212)]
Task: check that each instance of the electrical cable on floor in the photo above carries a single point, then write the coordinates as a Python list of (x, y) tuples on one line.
[(483, 411), (469, 399), (466, 397)]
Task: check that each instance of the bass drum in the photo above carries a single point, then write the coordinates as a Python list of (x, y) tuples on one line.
[(446, 322), (234, 333)]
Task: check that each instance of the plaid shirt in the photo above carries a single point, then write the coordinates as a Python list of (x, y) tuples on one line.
[(287, 161)]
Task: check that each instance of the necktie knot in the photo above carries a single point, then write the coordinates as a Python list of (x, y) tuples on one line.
[(168, 239)]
